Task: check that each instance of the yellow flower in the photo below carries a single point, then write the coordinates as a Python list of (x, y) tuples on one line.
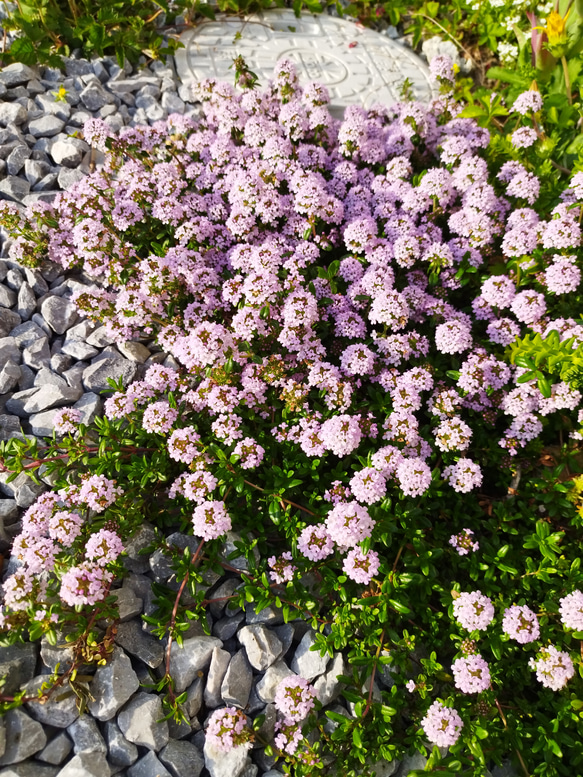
[(556, 28)]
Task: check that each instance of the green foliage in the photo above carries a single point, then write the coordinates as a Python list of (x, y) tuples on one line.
[(548, 357), (53, 28)]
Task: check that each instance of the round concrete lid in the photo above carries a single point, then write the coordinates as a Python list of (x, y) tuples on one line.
[(357, 65)]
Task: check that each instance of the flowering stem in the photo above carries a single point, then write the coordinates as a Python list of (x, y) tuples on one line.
[(172, 623), (567, 79), (374, 669), (281, 498), (516, 750)]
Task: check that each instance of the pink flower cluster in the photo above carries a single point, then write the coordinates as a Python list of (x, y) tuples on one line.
[(227, 728), (554, 668), (463, 542), (473, 611), (471, 674), (442, 725)]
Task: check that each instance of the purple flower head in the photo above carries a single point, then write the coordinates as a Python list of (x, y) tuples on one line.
[(442, 725), (523, 137), (453, 337), (554, 668), (463, 476), (414, 476), (103, 547), (211, 520), (368, 485), (250, 452), (85, 584), (471, 674), (349, 523), (441, 68), (360, 566), (315, 543), (571, 610), (473, 610), (282, 570), (294, 698), (227, 728), (463, 542), (528, 102), (67, 420), (521, 624), (159, 417)]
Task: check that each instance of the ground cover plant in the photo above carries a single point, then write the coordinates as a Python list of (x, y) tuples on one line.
[(340, 299)]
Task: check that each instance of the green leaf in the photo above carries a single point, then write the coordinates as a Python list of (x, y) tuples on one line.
[(509, 76)]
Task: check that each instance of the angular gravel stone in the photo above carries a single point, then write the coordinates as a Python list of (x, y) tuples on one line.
[(86, 736), (50, 106), (186, 661), (79, 350), (262, 645), (36, 281), (47, 397), (9, 349), (57, 749), (16, 74), (12, 113), (135, 352), (7, 297), (148, 766), (8, 320), (59, 710), (120, 751), (172, 103), (306, 662), (236, 686), (133, 561), (270, 615), (112, 686), (13, 188), (59, 313), (327, 686), (65, 153), (24, 737), (42, 424), (221, 764), (182, 758), (17, 662), (46, 126), (16, 159), (35, 171), (136, 642), (99, 338), (14, 279), (8, 516), (140, 722), (94, 97), (271, 679), (30, 769), (15, 404), (26, 302), (90, 406), (9, 376), (25, 334), (38, 354), (28, 493), (95, 376), (86, 765), (128, 604), (227, 627), (219, 662)]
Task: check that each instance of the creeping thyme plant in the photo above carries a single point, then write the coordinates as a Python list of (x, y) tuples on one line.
[(338, 298)]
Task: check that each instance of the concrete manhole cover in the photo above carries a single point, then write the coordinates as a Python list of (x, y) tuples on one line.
[(357, 65)]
